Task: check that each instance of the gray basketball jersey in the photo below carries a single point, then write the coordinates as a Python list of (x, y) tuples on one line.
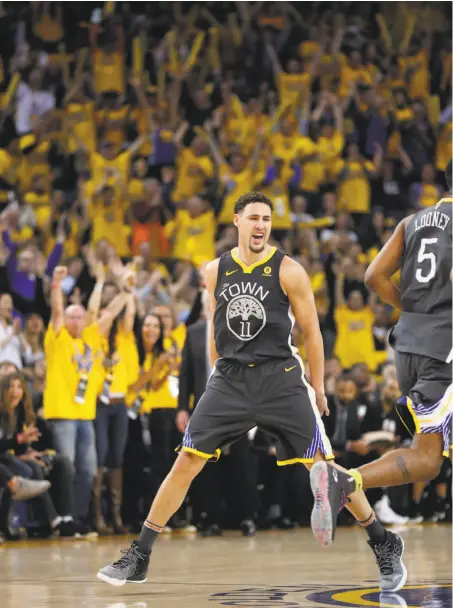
[(252, 320), (425, 326)]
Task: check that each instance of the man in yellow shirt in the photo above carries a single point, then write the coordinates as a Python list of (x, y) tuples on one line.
[(73, 379), (192, 231)]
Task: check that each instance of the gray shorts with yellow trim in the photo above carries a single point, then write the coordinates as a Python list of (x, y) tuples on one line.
[(273, 396), (427, 385)]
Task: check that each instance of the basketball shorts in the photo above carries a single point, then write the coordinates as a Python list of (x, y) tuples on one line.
[(427, 383), (273, 396)]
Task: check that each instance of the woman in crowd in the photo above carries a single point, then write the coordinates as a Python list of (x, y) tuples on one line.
[(154, 394), (18, 431), (120, 369), (33, 343)]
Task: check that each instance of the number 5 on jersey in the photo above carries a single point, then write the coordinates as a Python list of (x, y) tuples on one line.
[(424, 255)]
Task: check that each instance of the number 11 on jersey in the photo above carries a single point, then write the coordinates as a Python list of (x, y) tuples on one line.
[(245, 329)]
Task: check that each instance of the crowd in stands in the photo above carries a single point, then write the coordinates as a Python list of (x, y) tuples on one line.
[(127, 133)]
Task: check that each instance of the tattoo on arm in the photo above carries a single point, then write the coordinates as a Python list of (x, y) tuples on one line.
[(401, 464)]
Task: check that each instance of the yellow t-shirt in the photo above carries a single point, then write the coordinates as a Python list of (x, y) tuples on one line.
[(42, 206), (419, 79), (349, 75), (135, 190), (11, 172), (123, 366), (429, 195), (108, 223), (192, 172), (177, 336), (99, 164), (160, 398), (354, 342), (108, 71), (318, 283), (142, 117), (68, 361), (286, 147), (80, 117), (281, 217), (291, 85), (71, 245), (354, 192), (237, 184), (111, 122), (194, 238), (329, 149)]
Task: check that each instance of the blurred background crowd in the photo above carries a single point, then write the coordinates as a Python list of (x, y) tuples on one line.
[(127, 132)]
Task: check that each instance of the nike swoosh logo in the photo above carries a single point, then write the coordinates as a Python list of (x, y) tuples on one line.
[(288, 369), (228, 272)]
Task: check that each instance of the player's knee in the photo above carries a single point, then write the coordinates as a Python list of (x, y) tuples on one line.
[(433, 468), (188, 465), (429, 448)]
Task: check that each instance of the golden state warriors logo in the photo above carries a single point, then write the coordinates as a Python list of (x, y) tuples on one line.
[(267, 270), (412, 596), (432, 595)]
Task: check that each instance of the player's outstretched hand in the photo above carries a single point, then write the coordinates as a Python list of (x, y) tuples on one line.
[(321, 403)]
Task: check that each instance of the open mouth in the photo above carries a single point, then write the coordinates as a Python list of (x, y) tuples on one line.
[(257, 239)]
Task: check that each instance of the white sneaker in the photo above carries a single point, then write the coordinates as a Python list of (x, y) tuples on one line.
[(386, 514)]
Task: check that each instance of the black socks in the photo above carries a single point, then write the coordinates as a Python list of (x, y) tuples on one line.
[(374, 528), (148, 535)]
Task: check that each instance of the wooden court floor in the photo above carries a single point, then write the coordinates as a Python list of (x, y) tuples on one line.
[(273, 569)]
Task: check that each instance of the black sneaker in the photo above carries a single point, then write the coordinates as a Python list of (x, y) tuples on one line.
[(330, 488), (131, 568), (388, 556)]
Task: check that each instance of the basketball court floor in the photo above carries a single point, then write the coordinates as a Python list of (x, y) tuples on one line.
[(273, 569)]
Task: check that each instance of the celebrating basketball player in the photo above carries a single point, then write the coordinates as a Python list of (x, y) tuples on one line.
[(258, 380), (421, 247)]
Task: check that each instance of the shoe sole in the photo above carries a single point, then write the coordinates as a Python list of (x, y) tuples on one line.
[(111, 581), (403, 578), (321, 516), (115, 582)]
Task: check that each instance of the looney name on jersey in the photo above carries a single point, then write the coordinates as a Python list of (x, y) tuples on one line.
[(436, 219)]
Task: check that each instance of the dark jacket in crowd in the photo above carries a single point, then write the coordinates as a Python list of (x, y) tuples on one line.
[(193, 373)]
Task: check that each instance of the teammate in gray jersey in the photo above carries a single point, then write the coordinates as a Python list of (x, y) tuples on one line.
[(421, 247), (258, 380)]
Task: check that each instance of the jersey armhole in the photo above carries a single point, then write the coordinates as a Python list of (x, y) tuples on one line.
[(283, 256)]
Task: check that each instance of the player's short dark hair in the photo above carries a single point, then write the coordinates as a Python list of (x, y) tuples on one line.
[(252, 197), (448, 174)]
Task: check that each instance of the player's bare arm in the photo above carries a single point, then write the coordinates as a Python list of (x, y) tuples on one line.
[(296, 284), (57, 298), (210, 277), (378, 277)]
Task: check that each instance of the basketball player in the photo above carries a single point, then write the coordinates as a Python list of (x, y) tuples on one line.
[(258, 380), (421, 247)]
